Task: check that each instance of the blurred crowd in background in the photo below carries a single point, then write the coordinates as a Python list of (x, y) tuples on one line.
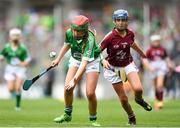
[(44, 22)]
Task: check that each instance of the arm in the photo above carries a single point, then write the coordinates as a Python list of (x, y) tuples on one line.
[(104, 62), (24, 63), (61, 54), (80, 70), (138, 49), (1, 57), (103, 45), (78, 75), (147, 64)]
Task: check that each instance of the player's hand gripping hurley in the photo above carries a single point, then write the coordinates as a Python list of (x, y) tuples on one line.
[(28, 83)]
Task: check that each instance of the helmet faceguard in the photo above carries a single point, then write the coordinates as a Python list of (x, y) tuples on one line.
[(120, 14), (123, 16), (155, 40), (15, 35), (80, 25)]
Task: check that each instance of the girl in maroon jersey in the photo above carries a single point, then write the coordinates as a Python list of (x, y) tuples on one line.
[(118, 43), (158, 62)]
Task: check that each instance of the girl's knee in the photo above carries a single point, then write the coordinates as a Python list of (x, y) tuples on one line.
[(18, 89), (123, 99), (90, 95), (68, 92)]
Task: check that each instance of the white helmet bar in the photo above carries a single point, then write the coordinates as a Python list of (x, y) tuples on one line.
[(155, 37)]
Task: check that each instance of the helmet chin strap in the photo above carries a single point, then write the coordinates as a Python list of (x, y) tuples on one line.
[(15, 41), (82, 37), (78, 38), (121, 30)]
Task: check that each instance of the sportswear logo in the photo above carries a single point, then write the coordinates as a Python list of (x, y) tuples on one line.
[(121, 54), (116, 46), (79, 41), (78, 55), (124, 44)]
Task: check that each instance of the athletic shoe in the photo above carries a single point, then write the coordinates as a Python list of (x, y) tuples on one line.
[(63, 118), (132, 120), (94, 123), (17, 108), (144, 104), (158, 105)]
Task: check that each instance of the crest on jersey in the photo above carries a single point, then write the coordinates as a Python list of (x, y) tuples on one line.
[(121, 55), (116, 46), (124, 44)]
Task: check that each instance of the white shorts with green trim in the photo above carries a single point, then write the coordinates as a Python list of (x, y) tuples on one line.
[(118, 74), (11, 72), (93, 66)]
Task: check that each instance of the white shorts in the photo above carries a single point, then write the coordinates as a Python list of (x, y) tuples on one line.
[(160, 68), (93, 66), (113, 77), (11, 72)]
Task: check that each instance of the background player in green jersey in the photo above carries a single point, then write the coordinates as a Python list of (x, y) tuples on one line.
[(84, 58), (16, 56)]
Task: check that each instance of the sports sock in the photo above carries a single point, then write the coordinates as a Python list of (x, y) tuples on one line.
[(138, 94), (18, 99), (131, 115), (159, 94), (92, 117), (68, 110)]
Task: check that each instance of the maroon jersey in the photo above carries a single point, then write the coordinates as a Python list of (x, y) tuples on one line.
[(118, 48), (156, 53)]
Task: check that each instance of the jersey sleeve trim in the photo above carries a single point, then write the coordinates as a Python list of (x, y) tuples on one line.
[(67, 43)]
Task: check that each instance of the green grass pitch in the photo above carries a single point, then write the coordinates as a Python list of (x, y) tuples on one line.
[(40, 113)]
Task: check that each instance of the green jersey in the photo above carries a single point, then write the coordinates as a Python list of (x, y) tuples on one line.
[(80, 49), (16, 55)]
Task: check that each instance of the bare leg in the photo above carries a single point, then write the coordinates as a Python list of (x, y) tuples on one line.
[(159, 92), (68, 95), (135, 82), (118, 87), (160, 83), (92, 79), (19, 82), (11, 87)]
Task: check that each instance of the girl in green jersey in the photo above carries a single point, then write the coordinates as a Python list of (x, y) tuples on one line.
[(84, 58), (16, 56)]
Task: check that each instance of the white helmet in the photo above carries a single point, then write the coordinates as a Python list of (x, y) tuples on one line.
[(15, 31), (155, 38)]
